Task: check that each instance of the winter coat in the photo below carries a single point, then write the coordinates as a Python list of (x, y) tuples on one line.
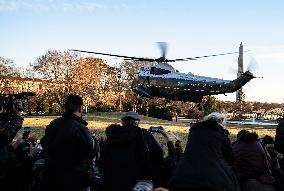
[(207, 161), (251, 160), (69, 149), (128, 155), (279, 138), (9, 126)]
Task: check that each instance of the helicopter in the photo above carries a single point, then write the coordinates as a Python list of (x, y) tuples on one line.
[(163, 81)]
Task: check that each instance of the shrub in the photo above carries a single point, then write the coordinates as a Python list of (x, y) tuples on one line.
[(194, 113), (101, 107), (160, 113), (142, 111), (127, 106)]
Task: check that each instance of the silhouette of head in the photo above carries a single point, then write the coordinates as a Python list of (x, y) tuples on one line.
[(73, 103)]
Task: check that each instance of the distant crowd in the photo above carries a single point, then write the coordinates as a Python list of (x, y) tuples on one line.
[(69, 158)]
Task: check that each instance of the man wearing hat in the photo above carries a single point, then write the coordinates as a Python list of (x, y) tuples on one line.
[(70, 148), (129, 154), (131, 118)]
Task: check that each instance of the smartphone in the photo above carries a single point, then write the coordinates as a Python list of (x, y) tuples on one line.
[(155, 129), (26, 132)]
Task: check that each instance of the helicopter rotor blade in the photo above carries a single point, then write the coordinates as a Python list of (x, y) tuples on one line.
[(212, 55), (163, 47), (104, 54), (115, 55), (206, 56)]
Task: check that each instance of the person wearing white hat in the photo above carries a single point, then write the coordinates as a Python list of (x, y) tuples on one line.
[(131, 118)]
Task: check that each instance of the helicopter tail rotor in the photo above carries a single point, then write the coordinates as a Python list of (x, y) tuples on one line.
[(253, 65)]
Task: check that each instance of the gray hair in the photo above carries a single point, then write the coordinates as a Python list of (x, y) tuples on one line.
[(219, 117)]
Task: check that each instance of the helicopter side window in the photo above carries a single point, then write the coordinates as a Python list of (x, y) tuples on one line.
[(155, 71), (165, 71), (159, 71)]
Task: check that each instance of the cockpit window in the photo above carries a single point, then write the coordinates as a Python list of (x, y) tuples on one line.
[(159, 71)]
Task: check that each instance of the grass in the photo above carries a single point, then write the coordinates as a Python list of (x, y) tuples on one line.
[(99, 121)]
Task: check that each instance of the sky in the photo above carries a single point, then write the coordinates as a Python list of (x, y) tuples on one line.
[(131, 27)]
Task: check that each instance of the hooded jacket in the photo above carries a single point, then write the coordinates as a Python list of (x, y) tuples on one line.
[(251, 160), (128, 155)]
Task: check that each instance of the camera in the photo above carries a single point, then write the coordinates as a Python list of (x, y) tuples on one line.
[(11, 101), (28, 141), (38, 148), (155, 129), (25, 146), (26, 132)]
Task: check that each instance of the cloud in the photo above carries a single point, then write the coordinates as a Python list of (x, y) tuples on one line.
[(83, 6), (8, 5), (49, 5)]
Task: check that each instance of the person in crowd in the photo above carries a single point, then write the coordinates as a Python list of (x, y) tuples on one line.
[(69, 149), (208, 159), (169, 163), (252, 163), (178, 149), (10, 124), (128, 155), (19, 166), (268, 142), (279, 147), (279, 140)]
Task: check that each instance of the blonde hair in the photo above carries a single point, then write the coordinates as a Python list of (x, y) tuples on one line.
[(219, 117)]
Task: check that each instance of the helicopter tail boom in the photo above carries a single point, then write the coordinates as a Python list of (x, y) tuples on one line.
[(241, 81)]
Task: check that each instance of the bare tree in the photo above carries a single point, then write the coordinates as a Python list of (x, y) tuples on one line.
[(93, 80), (56, 68), (8, 68)]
